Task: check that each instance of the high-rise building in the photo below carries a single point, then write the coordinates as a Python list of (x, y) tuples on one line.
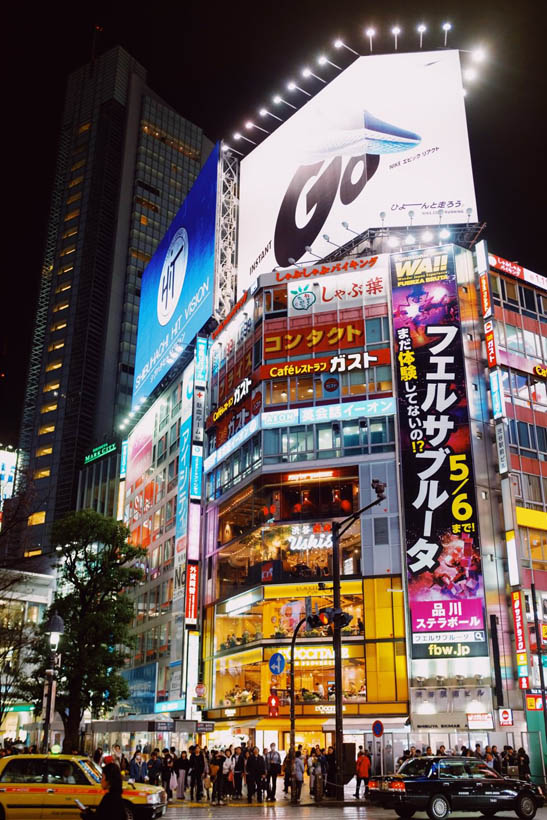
[(126, 160)]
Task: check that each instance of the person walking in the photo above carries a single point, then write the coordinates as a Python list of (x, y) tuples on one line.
[(197, 771), (362, 773), (228, 774), (287, 771), (182, 764), (255, 772), (298, 774), (273, 770), (111, 806), (154, 769), (138, 770), (239, 766), (523, 762), (169, 776)]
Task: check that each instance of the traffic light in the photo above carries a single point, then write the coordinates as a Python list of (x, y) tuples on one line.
[(379, 488), (273, 705), (328, 615)]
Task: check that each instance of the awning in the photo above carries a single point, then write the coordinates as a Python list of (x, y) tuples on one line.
[(302, 724), (130, 724), (364, 724)]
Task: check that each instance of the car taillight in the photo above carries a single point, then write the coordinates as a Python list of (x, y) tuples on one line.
[(397, 786), (372, 784)]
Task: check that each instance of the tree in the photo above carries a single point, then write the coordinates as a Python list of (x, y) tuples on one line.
[(15, 642), (98, 565)]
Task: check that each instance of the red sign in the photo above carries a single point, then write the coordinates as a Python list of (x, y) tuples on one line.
[(192, 592), (266, 575), (326, 364), (486, 302), (513, 269), (534, 703), (273, 706), (518, 621), (505, 717), (524, 683), (490, 343)]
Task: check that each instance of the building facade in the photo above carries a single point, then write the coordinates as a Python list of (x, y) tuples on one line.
[(126, 160)]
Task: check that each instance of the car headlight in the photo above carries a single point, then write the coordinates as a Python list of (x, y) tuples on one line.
[(154, 798)]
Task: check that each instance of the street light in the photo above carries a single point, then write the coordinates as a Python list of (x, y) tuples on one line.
[(370, 32), (421, 29), (338, 529), (396, 30), (446, 28), (55, 628)]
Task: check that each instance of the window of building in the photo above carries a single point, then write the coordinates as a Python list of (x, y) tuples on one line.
[(48, 408), (54, 365), (67, 251), (78, 164), (37, 518), (143, 257), (74, 198), (43, 473), (143, 219), (51, 386), (46, 428), (70, 232), (145, 203), (62, 288), (75, 181), (45, 450), (83, 128), (58, 326), (72, 215), (61, 306), (56, 345)]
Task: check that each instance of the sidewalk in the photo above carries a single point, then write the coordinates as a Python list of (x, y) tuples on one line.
[(305, 800)]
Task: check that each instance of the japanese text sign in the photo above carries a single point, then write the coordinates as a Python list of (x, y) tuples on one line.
[(445, 583)]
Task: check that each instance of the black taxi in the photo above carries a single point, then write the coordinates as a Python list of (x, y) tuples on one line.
[(440, 785)]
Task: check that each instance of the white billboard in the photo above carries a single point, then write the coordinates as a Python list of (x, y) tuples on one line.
[(389, 135)]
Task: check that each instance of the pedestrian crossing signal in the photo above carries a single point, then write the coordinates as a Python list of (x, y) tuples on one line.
[(273, 706)]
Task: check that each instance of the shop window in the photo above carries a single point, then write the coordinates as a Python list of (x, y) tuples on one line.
[(376, 331)]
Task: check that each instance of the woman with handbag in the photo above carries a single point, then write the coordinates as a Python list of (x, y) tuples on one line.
[(228, 768)]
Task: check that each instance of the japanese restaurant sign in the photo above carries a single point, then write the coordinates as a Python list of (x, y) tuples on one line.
[(444, 570), (366, 285)]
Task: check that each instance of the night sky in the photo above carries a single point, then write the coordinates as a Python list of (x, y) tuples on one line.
[(216, 64)]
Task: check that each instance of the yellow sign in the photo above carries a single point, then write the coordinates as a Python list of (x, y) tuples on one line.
[(522, 660), (275, 591)]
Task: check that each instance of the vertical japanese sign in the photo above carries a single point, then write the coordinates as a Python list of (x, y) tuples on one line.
[(519, 625), (185, 451), (445, 583)]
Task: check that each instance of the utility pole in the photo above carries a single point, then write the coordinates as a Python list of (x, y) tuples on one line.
[(338, 529)]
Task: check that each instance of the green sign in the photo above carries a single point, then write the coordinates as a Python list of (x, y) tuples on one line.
[(99, 452), (20, 707)]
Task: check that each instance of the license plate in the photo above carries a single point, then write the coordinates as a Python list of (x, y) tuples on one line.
[(383, 786)]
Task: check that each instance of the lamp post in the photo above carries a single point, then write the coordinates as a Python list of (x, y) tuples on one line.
[(338, 529), (292, 747), (55, 629)]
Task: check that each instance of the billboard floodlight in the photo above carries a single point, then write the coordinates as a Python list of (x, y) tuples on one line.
[(237, 136), (427, 236), (409, 239), (444, 233), (421, 29), (393, 241), (307, 72), (249, 124), (265, 113), (396, 30), (277, 99), (478, 55), (291, 86), (446, 28), (340, 44), (470, 74), (322, 60), (370, 32)]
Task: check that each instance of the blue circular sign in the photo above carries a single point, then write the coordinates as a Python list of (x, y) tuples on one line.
[(277, 663), (377, 728)]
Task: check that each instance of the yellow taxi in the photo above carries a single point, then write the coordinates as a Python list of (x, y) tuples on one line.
[(46, 786)]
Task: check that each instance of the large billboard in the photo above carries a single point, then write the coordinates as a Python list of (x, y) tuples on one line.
[(178, 284), (443, 555), (388, 135)]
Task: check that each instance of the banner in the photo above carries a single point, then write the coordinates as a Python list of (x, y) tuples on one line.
[(444, 570)]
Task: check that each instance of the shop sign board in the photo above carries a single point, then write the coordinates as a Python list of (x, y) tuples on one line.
[(99, 452), (340, 363), (505, 717), (480, 720), (445, 721), (365, 285), (517, 271), (444, 565), (205, 726), (192, 593)]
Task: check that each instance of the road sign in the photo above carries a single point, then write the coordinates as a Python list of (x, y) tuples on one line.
[(201, 690), (277, 663), (377, 728), (505, 717)]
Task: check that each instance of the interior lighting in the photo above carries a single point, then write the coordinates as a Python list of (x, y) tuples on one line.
[(370, 32), (396, 30)]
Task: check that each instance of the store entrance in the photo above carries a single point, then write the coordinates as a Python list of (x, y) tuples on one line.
[(308, 740)]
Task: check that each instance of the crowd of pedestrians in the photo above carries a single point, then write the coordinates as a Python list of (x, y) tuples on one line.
[(507, 762)]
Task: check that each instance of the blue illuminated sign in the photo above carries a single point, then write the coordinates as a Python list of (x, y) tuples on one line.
[(496, 392), (185, 451), (123, 460), (142, 688), (177, 284), (170, 706), (196, 471), (200, 360)]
